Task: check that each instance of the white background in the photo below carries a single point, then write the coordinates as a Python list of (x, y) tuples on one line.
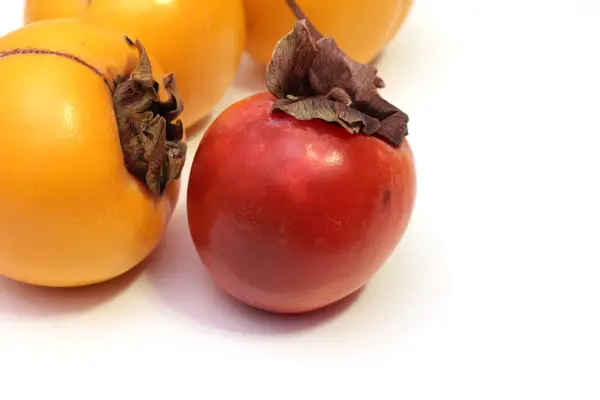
[(494, 293)]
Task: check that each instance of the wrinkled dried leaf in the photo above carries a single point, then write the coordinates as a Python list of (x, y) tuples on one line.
[(287, 71), (394, 122), (155, 138), (328, 110), (394, 128), (333, 68), (176, 158), (314, 78), (143, 71), (148, 128), (340, 95), (173, 107)]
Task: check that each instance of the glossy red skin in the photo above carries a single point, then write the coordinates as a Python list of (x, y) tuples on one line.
[(290, 216)]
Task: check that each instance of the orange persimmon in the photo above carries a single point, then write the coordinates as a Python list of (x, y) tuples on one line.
[(73, 209), (362, 28), (40, 10), (400, 17), (200, 41)]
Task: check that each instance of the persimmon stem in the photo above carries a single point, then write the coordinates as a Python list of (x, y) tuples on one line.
[(313, 78), (149, 129), (299, 14), (151, 133)]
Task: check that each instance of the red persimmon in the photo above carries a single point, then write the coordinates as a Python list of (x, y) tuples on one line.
[(298, 196), (289, 215)]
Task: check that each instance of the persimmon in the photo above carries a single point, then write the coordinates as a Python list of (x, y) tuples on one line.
[(91, 153), (401, 16), (362, 28), (40, 10), (201, 42), (298, 196)]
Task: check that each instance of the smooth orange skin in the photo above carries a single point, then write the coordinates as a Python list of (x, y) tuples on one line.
[(70, 212), (200, 41), (401, 16), (40, 10), (362, 28)]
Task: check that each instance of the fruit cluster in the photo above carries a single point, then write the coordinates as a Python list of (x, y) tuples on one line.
[(296, 196)]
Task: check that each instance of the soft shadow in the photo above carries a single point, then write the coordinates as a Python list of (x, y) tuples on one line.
[(377, 59), (251, 75), (401, 63), (181, 282), (249, 79), (197, 129), (21, 299)]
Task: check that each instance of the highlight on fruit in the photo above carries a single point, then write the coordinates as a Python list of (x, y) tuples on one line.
[(299, 195), (201, 42), (92, 164)]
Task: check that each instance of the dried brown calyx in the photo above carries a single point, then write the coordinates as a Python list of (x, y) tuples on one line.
[(313, 78), (151, 136)]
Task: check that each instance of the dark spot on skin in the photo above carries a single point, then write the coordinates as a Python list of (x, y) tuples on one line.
[(129, 41), (386, 198)]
